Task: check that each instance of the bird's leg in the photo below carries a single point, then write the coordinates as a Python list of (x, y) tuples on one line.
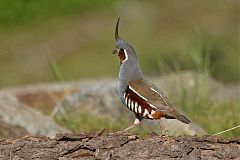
[(161, 128), (136, 122)]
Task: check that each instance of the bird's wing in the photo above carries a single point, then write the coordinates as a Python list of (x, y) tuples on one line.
[(153, 102), (152, 94)]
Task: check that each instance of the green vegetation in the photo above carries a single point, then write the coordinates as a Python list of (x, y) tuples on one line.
[(80, 121), (22, 12), (79, 34), (211, 116), (55, 69)]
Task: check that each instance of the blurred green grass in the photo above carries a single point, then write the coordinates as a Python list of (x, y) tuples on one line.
[(88, 122), (212, 116), (80, 37), (24, 12)]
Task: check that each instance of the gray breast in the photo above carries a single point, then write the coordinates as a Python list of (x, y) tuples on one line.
[(122, 86)]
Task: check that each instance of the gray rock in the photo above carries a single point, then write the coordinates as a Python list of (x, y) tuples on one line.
[(30, 121), (8, 130)]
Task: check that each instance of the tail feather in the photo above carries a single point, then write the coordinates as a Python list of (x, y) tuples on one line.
[(180, 117), (183, 119)]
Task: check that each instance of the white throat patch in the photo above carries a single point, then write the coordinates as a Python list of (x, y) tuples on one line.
[(126, 56)]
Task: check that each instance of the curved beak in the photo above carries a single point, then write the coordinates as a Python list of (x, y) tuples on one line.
[(116, 29)]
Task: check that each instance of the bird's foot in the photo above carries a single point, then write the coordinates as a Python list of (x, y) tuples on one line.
[(125, 131), (164, 133)]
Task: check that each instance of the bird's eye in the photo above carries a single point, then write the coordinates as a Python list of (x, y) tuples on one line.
[(121, 50)]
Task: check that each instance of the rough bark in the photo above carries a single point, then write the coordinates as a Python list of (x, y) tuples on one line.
[(119, 146)]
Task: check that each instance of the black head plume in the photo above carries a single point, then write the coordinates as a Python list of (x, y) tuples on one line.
[(116, 29), (120, 43)]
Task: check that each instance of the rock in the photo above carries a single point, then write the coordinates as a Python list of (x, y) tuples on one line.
[(9, 130), (230, 93), (41, 96), (20, 119)]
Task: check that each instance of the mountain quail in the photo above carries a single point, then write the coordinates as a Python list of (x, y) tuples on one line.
[(144, 99)]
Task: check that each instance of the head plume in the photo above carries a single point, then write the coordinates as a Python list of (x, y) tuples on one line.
[(130, 68), (116, 29)]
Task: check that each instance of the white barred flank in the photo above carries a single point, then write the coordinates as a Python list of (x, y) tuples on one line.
[(139, 109), (129, 103), (131, 107), (126, 100), (136, 107), (132, 104), (145, 113)]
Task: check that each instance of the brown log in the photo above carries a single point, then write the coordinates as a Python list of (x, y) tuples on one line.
[(119, 146)]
